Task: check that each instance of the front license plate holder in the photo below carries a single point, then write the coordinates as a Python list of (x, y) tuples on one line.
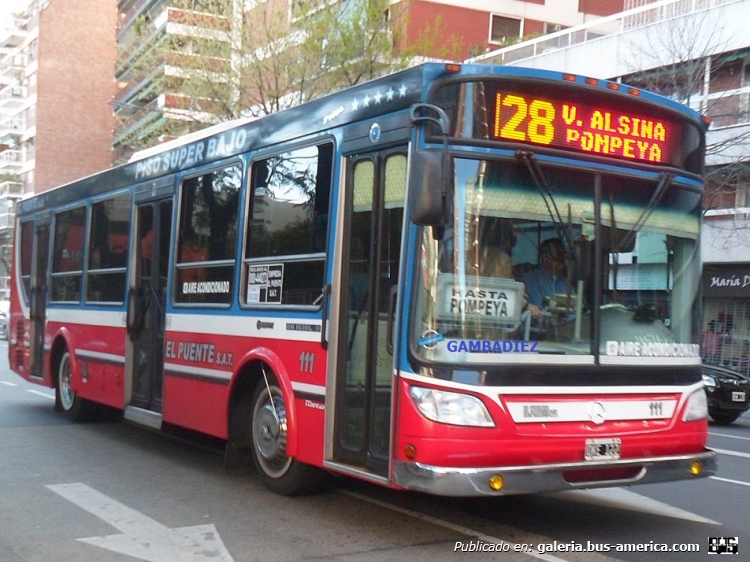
[(602, 449), (738, 397)]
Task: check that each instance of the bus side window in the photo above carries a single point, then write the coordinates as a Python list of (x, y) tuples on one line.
[(67, 257), (207, 237), (288, 232), (109, 237)]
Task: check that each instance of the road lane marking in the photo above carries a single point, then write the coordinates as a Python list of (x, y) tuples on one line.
[(6, 383), (39, 393), (142, 537), (740, 482), (732, 453), (625, 499), (452, 526), (730, 436)]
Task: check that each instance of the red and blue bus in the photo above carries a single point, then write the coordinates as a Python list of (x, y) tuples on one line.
[(458, 279)]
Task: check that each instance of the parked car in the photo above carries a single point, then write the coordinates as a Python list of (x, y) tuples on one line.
[(4, 318), (728, 393)]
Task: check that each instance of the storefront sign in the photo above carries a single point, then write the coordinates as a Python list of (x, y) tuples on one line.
[(726, 281)]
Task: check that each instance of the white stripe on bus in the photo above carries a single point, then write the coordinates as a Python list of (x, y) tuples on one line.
[(309, 388), (201, 371), (109, 357), (209, 324), (103, 318), (244, 325)]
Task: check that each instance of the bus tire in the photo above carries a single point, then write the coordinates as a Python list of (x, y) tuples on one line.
[(278, 472), (67, 401)]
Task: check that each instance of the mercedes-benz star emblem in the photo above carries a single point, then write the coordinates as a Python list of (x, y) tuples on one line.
[(597, 413)]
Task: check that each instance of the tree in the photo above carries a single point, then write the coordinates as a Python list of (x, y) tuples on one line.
[(230, 62), (685, 58)]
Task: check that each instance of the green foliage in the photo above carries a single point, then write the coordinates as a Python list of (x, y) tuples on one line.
[(236, 63)]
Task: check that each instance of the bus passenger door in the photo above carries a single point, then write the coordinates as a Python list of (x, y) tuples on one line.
[(369, 277), (147, 303), (38, 305)]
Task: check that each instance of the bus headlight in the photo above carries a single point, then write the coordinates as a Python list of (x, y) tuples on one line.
[(451, 407), (697, 406)]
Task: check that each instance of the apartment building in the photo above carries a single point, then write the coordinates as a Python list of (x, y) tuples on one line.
[(487, 25), (698, 52), (150, 107), (56, 69)]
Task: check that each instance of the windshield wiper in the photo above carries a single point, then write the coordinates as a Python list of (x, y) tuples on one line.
[(543, 187), (665, 180)]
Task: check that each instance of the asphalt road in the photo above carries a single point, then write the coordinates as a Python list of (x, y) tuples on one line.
[(115, 492)]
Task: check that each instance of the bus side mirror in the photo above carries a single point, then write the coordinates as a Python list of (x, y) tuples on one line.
[(429, 174)]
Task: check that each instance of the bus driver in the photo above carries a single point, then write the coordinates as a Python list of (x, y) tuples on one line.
[(548, 277)]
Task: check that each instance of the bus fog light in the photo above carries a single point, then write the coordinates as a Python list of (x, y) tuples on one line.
[(451, 407), (697, 406), (695, 468), (496, 482)]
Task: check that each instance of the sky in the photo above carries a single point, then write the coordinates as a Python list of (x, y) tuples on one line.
[(7, 7)]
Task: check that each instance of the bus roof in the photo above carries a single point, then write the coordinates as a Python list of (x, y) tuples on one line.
[(385, 95)]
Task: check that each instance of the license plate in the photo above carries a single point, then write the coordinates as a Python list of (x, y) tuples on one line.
[(602, 449), (738, 397)]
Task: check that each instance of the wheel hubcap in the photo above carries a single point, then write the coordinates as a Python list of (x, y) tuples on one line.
[(67, 395), (270, 434)]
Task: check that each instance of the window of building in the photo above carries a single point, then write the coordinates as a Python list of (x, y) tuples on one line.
[(302, 8), (207, 241), (553, 27), (109, 239), (504, 29), (727, 186), (285, 251), (67, 256)]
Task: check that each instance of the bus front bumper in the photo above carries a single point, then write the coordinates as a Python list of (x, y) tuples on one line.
[(467, 482)]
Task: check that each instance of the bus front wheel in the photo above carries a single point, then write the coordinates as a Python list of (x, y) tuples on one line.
[(66, 399), (278, 471)]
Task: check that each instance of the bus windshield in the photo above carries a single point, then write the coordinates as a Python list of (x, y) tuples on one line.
[(516, 274)]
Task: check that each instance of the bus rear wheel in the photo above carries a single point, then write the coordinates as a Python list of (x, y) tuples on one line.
[(66, 399), (278, 471)]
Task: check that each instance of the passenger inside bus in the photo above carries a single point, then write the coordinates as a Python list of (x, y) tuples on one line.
[(496, 240)]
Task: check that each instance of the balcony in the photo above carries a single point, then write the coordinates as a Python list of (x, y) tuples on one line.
[(13, 37), (599, 48), (11, 64), (11, 131), (12, 97), (11, 161), (6, 220), (11, 190), (141, 118), (172, 21)]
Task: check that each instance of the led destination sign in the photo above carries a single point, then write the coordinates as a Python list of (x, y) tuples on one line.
[(583, 127)]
